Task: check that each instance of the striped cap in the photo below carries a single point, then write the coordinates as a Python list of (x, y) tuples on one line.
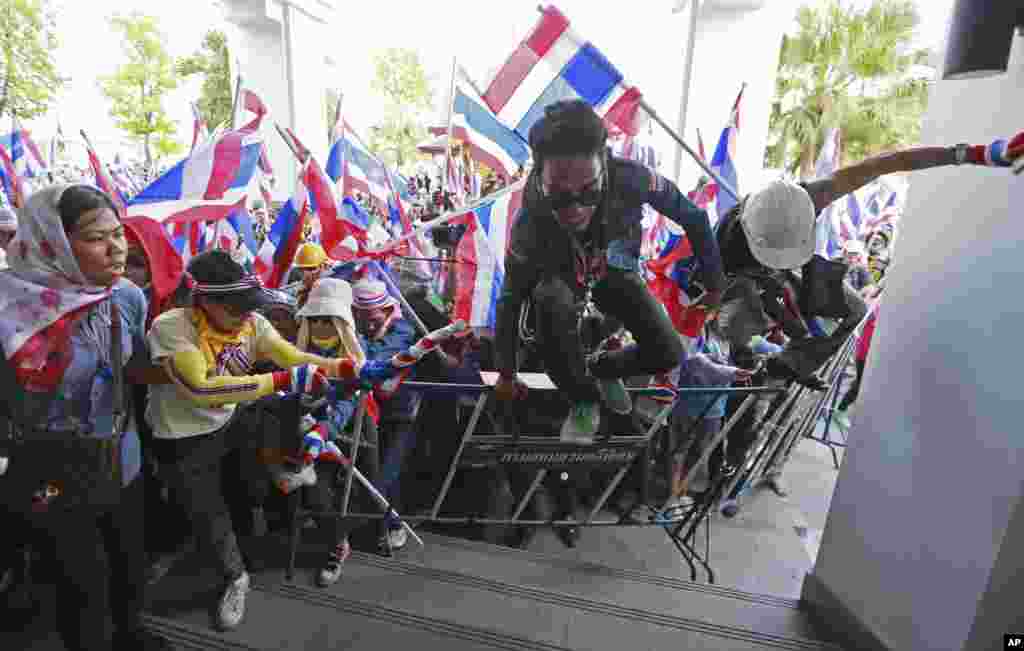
[(371, 294)]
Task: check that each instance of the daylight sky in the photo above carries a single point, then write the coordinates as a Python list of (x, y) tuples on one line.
[(437, 29)]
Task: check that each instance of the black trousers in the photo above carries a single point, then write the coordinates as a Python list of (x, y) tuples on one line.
[(621, 295), (100, 567), (216, 479)]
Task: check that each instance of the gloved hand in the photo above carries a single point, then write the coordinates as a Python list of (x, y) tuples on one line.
[(776, 368), (1000, 153), (308, 379)]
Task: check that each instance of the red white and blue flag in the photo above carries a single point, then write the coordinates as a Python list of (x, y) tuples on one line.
[(25, 154), (11, 180), (723, 162), (350, 163), (553, 63), (105, 182), (334, 228), (278, 250), (490, 142), (210, 184), (480, 257)]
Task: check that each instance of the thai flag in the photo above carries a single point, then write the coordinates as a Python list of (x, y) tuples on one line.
[(668, 279), (209, 185), (278, 250), (723, 162), (828, 232), (334, 229), (200, 130), (352, 164), (553, 64), (11, 180), (105, 182), (25, 155), (490, 142), (480, 258), (241, 230)]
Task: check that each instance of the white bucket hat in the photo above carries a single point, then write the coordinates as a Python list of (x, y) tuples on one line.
[(329, 297), (779, 224)]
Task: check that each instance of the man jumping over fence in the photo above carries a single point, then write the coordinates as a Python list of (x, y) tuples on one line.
[(578, 236)]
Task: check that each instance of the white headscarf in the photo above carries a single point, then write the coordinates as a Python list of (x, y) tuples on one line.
[(43, 286)]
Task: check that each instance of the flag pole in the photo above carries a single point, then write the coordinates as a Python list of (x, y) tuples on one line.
[(675, 136), (291, 145), (469, 80), (448, 140), (234, 102)]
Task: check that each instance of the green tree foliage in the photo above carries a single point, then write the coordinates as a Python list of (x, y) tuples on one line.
[(29, 77), (137, 89), (213, 62), (402, 81), (852, 68)]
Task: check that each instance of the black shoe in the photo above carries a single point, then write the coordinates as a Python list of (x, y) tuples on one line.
[(163, 564), (524, 536), (569, 535)]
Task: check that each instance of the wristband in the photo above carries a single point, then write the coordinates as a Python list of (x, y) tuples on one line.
[(282, 381)]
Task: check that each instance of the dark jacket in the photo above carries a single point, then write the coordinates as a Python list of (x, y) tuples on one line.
[(539, 247)]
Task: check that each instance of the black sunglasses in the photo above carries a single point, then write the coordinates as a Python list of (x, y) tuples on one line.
[(587, 198)]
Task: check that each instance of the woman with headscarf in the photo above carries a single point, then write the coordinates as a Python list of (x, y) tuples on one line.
[(57, 304)]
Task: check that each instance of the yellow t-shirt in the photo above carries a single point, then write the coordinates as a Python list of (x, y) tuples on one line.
[(173, 415)]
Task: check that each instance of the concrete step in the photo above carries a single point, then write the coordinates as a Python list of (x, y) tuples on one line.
[(618, 587)]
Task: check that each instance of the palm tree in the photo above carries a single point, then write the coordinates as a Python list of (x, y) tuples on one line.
[(852, 68)]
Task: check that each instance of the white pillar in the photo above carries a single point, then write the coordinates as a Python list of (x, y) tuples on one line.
[(924, 545), (281, 51)]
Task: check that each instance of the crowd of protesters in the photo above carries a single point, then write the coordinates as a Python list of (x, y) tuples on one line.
[(200, 453)]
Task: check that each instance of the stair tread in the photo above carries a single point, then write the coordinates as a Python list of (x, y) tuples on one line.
[(381, 602), (632, 590)]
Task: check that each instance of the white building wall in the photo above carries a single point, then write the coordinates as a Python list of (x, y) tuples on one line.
[(932, 477), (734, 44), (288, 69)]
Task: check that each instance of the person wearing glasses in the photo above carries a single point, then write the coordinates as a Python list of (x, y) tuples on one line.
[(578, 235)]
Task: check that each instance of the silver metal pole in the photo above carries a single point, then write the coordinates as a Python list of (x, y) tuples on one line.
[(684, 98), (448, 139)]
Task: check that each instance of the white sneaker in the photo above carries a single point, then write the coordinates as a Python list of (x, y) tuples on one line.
[(231, 609), (331, 572), (582, 423), (398, 538)]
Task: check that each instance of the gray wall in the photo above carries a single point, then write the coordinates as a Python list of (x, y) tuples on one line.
[(933, 473)]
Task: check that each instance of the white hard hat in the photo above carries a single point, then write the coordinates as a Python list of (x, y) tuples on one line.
[(329, 297), (779, 224)]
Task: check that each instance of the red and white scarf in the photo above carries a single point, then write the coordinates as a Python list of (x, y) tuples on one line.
[(42, 294)]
